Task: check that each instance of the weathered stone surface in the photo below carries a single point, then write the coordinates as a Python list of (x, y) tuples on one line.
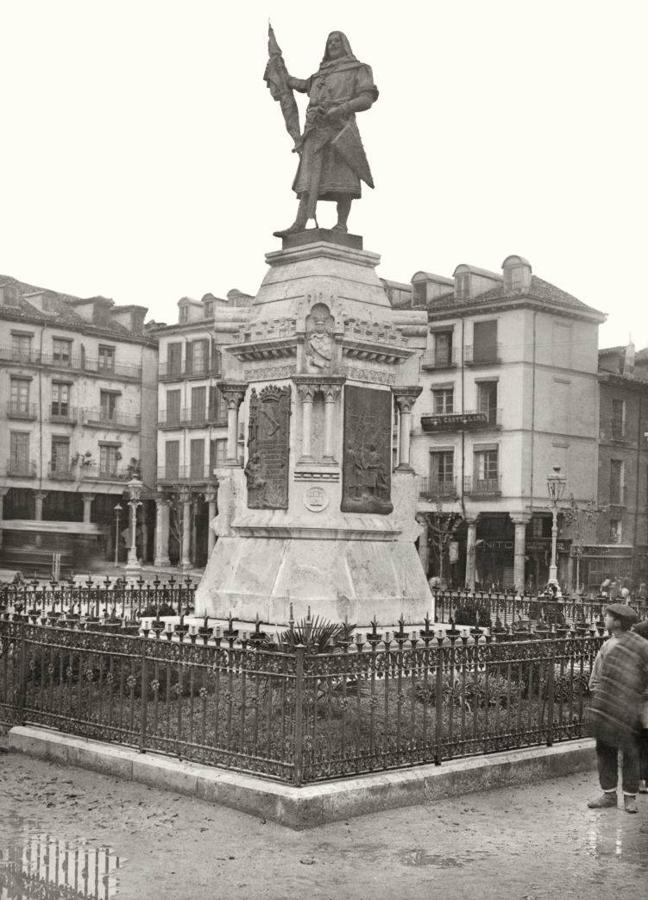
[(366, 472), (268, 448), (322, 234)]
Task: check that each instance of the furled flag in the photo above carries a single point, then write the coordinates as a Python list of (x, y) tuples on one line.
[(276, 77)]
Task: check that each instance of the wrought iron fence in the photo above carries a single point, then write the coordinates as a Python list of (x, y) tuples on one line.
[(106, 603), (287, 712), (488, 608)]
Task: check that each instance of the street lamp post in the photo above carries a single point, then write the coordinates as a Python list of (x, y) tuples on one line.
[(556, 484), (118, 512), (135, 486)]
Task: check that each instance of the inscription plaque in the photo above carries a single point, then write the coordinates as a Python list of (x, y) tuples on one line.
[(268, 448), (366, 471)]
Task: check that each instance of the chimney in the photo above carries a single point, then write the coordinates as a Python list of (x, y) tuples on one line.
[(629, 358)]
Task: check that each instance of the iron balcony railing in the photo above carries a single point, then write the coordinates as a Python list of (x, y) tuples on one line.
[(180, 474), (26, 411), (62, 471), (168, 371), (617, 429), (483, 487), (62, 415), (96, 472), (469, 420), (101, 418), (488, 355), (75, 362), (21, 468), (184, 418), (435, 488), (442, 359), (618, 494)]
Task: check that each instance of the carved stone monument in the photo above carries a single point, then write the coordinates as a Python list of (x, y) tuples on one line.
[(321, 511)]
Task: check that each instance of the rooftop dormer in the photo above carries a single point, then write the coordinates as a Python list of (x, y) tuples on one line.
[(426, 288), (470, 282), (517, 274)]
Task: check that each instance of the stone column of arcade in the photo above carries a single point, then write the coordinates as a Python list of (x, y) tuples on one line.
[(405, 398), (87, 506), (161, 532), (39, 496), (520, 521), (3, 493), (306, 394), (471, 547), (185, 500), (233, 394)]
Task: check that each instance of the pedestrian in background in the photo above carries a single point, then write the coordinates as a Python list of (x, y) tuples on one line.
[(642, 629), (618, 683)]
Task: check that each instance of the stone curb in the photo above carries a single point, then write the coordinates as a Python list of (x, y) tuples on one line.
[(314, 804)]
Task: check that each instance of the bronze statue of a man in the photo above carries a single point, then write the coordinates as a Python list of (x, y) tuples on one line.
[(332, 160)]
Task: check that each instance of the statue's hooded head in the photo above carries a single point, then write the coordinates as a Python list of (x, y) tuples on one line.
[(337, 48)]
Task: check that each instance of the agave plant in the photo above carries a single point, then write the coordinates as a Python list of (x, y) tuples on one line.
[(316, 635)]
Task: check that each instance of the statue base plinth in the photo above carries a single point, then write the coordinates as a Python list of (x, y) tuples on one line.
[(328, 235)]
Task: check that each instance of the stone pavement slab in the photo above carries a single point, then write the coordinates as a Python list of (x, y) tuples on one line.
[(528, 842)]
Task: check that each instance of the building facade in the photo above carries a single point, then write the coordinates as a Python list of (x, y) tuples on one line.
[(78, 381), (192, 428), (510, 390)]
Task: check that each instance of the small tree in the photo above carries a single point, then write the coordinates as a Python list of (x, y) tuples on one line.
[(442, 526), (580, 518)]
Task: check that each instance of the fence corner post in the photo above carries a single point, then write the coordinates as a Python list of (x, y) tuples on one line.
[(299, 710)]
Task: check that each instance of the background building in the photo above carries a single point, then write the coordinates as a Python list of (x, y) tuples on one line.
[(78, 383), (510, 389), (192, 427)]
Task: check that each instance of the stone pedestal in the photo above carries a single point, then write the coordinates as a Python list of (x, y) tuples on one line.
[(316, 517)]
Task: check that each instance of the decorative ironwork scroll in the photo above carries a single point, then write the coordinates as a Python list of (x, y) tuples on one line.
[(366, 473), (268, 448)]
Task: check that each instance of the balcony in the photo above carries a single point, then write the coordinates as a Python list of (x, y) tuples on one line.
[(172, 372), (27, 412), (185, 418), (482, 356), (483, 487), (185, 474), (21, 468), (434, 361), (115, 421), (437, 489), (58, 471), (618, 495), (465, 421), (60, 415), (73, 363), (110, 474)]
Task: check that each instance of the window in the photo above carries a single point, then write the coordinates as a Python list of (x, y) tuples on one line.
[(198, 400), (616, 482), (108, 459), (19, 453), (21, 346), (61, 352), (60, 399), (106, 359), (60, 455), (108, 406), (19, 402), (487, 400), (174, 359), (173, 407), (217, 409), (217, 453), (443, 400), (209, 309), (442, 348), (172, 459), (616, 531), (485, 341), (197, 451), (462, 286), (537, 527), (442, 467), (183, 314), (486, 469), (618, 419), (197, 357)]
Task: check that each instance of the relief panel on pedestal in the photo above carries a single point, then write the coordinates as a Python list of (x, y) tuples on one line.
[(366, 472), (268, 448)]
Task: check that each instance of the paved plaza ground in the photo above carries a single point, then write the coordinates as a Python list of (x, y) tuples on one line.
[(524, 843)]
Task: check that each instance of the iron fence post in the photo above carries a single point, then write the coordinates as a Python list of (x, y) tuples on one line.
[(438, 715), (550, 700), (299, 724), (143, 698), (22, 674)]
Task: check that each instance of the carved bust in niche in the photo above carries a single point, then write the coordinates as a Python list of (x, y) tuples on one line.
[(319, 340)]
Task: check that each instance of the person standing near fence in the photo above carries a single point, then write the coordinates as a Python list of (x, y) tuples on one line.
[(618, 683), (642, 630)]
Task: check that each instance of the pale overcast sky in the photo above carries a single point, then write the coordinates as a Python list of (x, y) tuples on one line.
[(144, 159)]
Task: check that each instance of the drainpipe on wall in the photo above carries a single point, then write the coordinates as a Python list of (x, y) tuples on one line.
[(636, 497), (533, 399)]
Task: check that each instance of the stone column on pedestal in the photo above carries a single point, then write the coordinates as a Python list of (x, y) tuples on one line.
[(185, 499), (306, 394), (87, 506), (210, 498), (331, 392), (423, 547), (405, 398), (520, 521), (233, 394), (39, 496), (471, 547), (161, 532)]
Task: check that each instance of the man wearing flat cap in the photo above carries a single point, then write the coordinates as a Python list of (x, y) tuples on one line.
[(619, 683)]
